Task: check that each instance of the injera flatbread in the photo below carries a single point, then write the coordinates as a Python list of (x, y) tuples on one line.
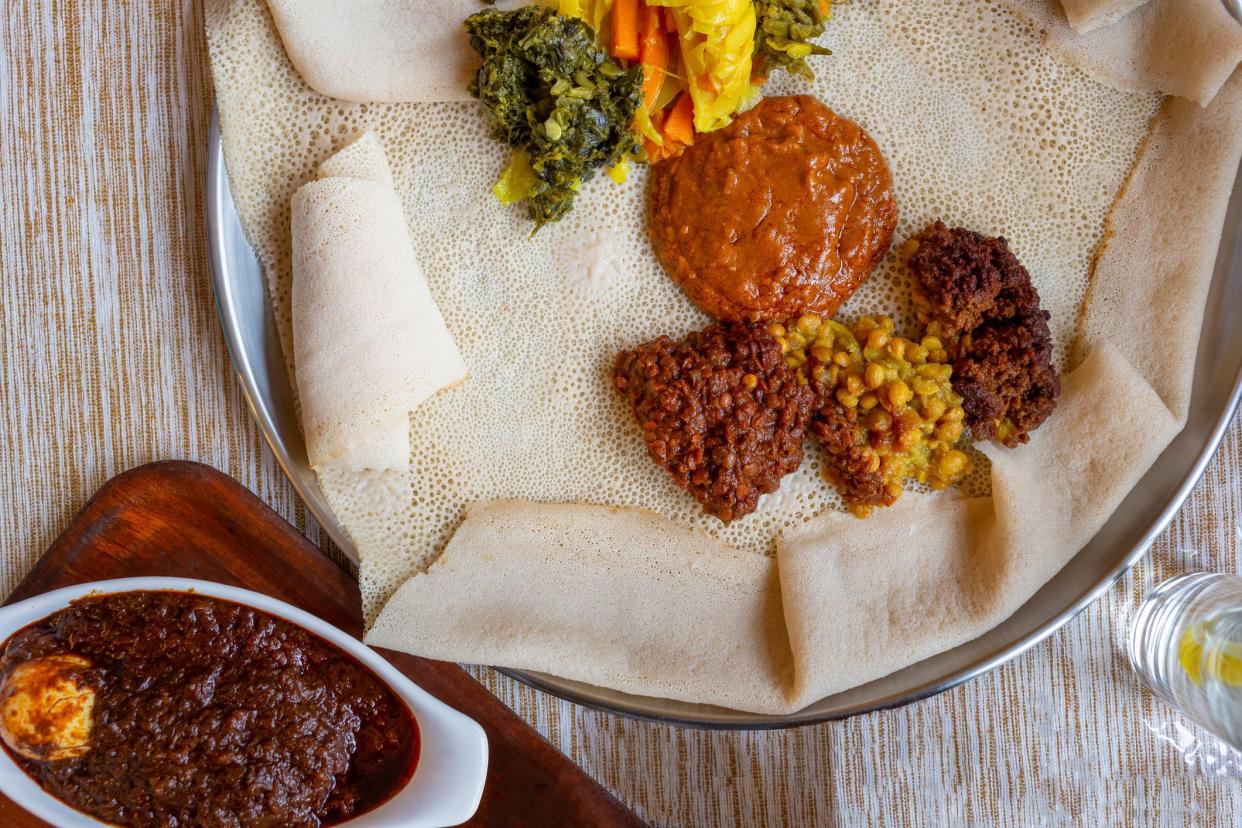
[(1085, 15), (1149, 281), (927, 575), (380, 50), (369, 341), (664, 611), (416, 50), (617, 597), (1186, 48), (539, 319)]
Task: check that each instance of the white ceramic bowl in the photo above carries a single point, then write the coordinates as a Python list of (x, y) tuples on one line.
[(447, 782)]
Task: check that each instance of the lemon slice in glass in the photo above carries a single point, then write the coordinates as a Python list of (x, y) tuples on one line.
[(1205, 649)]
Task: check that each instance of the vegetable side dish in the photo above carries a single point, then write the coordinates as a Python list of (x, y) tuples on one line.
[(886, 409), (786, 33), (768, 217), (601, 83), (556, 99), (205, 712)]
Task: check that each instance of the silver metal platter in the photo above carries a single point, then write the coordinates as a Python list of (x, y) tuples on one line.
[(249, 329)]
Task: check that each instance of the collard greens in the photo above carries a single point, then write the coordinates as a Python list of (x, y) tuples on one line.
[(557, 99)]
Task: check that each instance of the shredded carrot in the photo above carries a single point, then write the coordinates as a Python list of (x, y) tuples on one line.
[(655, 151), (653, 54), (625, 29), (825, 6), (679, 125), (670, 22)]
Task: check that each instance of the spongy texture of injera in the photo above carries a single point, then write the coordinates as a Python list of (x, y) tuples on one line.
[(1030, 148), (628, 600), (1186, 48), (923, 577)]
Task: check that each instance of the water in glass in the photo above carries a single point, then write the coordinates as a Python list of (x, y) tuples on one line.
[(1186, 644)]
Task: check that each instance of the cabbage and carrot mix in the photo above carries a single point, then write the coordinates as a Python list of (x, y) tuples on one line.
[(596, 83)]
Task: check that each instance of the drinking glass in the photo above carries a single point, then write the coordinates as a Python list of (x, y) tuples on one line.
[(1186, 645)]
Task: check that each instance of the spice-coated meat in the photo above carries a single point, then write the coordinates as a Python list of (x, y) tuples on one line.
[(989, 315), (1006, 373)]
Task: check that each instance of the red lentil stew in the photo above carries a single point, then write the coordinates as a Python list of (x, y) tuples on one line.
[(785, 211)]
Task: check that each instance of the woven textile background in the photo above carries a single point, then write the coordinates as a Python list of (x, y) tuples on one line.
[(111, 356)]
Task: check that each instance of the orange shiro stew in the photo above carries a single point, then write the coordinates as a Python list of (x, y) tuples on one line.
[(786, 210)]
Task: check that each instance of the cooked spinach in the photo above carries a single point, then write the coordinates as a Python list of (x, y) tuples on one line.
[(785, 31), (557, 99)]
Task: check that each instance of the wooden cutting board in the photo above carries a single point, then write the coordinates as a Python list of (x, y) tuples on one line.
[(189, 520)]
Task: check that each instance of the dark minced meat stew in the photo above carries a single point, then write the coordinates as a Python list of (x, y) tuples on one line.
[(210, 713)]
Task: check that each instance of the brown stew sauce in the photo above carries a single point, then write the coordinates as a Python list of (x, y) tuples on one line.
[(785, 211), (211, 713)]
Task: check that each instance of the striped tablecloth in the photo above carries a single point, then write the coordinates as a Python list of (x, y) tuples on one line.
[(111, 356)]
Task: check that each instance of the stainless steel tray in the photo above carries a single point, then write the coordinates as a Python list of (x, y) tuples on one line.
[(249, 329)]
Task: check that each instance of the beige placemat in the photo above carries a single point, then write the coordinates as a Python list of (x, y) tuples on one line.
[(111, 356)]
